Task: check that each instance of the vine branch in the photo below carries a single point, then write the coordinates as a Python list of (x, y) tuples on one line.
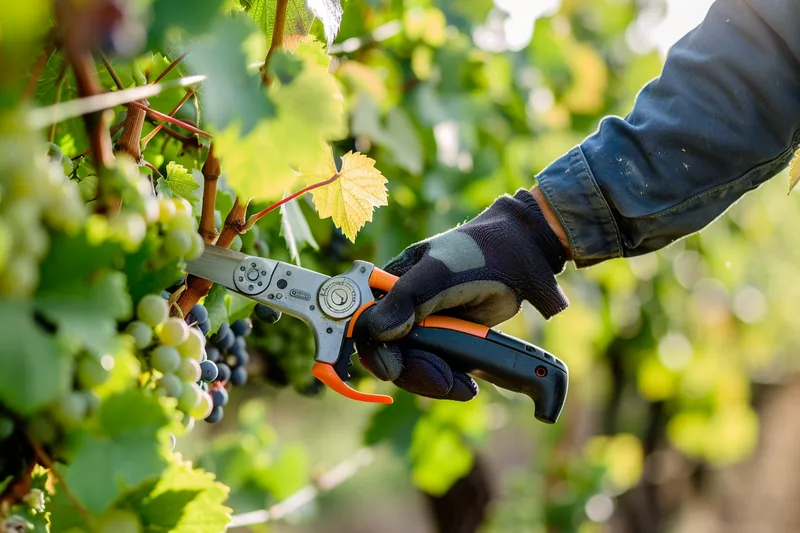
[(112, 72), (326, 482), (211, 173), (277, 37)]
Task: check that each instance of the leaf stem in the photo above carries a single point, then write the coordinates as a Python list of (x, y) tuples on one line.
[(169, 68), (277, 37), (161, 116), (257, 216)]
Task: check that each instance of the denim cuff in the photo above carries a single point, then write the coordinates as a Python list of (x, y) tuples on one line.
[(572, 192)]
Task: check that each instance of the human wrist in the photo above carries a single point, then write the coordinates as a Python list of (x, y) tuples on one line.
[(552, 220)]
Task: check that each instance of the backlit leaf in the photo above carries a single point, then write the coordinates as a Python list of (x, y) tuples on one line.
[(349, 200)]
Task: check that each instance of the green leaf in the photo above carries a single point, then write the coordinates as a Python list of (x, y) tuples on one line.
[(295, 230), (126, 449), (35, 371), (86, 310), (215, 304), (179, 182), (398, 136), (183, 500), (239, 307), (329, 12), (192, 16), (264, 163), (231, 96), (440, 458)]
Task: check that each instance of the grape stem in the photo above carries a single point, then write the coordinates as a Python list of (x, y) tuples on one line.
[(257, 216), (112, 72), (277, 37), (62, 77), (47, 462)]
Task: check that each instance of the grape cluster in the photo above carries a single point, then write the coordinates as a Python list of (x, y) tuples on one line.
[(176, 354), (36, 197), (228, 349)]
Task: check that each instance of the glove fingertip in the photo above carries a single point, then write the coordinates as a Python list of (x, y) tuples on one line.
[(391, 318)]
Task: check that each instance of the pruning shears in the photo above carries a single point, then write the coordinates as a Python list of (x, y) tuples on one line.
[(332, 306)]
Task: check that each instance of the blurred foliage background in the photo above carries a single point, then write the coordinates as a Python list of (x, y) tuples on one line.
[(683, 367)]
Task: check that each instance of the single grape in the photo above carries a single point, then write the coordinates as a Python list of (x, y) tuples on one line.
[(215, 416), (165, 359), (91, 372), (151, 209), (183, 220), (178, 242), (212, 353), (267, 314), (152, 310), (199, 312), (173, 332), (166, 210), (193, 346), (208, 371), (239, 345), (205, 406), (239, 376), (220, 397), (190, 398), (204, 327), (71, 409), (223, 328), (188, 421), (223, 372), (188, 370), (120, 521), (182, 205), (171, 384), (228, 342), (142, 334), (242, 328), (240, 357), (198, 245)]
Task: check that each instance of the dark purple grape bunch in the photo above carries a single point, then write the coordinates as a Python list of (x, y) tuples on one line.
[(228, 349)]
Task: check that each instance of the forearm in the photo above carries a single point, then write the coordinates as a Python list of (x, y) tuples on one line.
[(722, 119)]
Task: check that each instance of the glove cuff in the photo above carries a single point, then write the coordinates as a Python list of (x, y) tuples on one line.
[(528, 211)]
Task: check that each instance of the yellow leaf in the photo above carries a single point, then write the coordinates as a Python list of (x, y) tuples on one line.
[(349, 200), (794, 171)]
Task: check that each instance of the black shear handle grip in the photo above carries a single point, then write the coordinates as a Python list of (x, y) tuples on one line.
[(503, 360)]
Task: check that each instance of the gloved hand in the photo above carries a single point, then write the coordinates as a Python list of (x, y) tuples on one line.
[(480, 271)]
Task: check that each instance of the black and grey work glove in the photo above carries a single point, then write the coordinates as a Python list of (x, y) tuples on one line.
[(480, 271)]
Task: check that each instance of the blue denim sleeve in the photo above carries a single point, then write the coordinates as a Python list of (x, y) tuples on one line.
[(722, 118)]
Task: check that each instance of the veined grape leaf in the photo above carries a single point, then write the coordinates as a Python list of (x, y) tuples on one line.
[(239, 307), (35, 369), (299, 17), (263, 164), (221, 58), (295, 230), (349, 200), (124, 451), (182, 500), (178, 182), (794, 171)]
